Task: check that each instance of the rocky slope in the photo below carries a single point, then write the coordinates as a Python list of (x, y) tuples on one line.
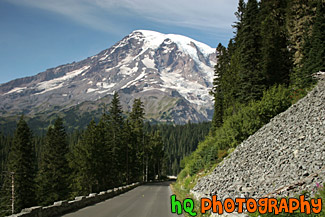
[(283, 158), (171, 73)]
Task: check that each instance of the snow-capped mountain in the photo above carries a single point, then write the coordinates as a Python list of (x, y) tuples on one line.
[(171, 73)]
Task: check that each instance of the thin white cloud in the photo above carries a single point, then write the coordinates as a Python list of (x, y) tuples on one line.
[(203, 14), (189, 13), (81, 11)]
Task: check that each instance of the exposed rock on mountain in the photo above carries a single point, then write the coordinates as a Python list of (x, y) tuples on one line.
[(283, 158), (171, 73)]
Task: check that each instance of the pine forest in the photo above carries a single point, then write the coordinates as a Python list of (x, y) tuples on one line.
[(270, 63)]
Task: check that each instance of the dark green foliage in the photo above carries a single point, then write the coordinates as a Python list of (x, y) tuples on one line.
[(299, 21), (238, 127), (5, 144), (154, 156), (275, 59), (230, 81), (256, 58), (53, 175), (136, 154), (274, 101), (239, 15), (137, 117), (115, 151), (98, 159), (217, 91), (86, 171), (118, 145), (179, 142), (314, 51), (272, 40), (105, 158), (251, 77), (20, 167), (128, 151)]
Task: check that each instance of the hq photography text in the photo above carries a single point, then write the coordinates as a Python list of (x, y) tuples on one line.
[(240, 205)]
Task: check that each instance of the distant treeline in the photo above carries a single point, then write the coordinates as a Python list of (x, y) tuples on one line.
[(180, 141)]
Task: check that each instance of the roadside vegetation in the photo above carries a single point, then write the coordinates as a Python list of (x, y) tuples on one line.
[(267, 66), (115, 150)]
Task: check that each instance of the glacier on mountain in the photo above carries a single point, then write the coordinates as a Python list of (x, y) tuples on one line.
[(142, 64)]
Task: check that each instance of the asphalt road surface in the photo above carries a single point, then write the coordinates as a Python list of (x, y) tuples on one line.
[(150, 200)]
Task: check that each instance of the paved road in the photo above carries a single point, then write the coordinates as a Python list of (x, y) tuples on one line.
[(150, 200)]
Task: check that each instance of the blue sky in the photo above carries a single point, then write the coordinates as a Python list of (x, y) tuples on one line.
[(39, 34)]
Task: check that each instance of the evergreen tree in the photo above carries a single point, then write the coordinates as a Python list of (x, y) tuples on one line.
[(106, 158), (157, 155), (217, 91), (5, 144), (53, 176), (275, 60), (314, 57), (299, 23), (128, 156), (136, 120), (231, 81), (175, 167), (251, 79), (116, 124), (86, 173), (239, 15), (179, 141), (21, 167)]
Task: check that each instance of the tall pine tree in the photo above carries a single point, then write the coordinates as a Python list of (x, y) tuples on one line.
[(86, 170), (239, 15), (217, 91), (136, 120), (156, 155), (300, 16), (21, 168), (53, 176), (116, 124), (106, 159), (314, 53), (248, 41), (128, 151), (276, 59)]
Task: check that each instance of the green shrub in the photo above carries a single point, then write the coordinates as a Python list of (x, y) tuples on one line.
[(237, 127), (274, 101)]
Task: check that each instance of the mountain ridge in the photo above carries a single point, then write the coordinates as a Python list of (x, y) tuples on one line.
[(146, 64)]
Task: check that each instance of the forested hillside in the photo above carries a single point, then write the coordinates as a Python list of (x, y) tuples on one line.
[(116, 150), (111, 153), (267, 66), (179, 142)]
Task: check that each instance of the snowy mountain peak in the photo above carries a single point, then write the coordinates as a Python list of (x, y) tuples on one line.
[(171, 73), (155, 39)]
